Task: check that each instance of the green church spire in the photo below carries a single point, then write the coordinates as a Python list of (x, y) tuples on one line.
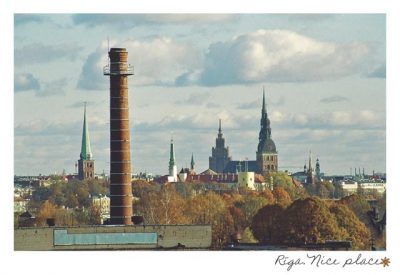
[(86, 153)]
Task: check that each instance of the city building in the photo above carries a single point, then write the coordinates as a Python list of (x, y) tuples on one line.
[(309, 175), (266, 155), (85, 162), (367, 187), (102, 202), (219, 154)]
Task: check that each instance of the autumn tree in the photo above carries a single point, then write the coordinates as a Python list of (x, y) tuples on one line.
[(359, 205), (310, 221), (281, 196), (171, 206), (161, 207), (46, 211), (358, 232), (266, 224), (210, 208), (267, 194)]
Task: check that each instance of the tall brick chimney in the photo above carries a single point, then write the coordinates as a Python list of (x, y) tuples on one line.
[(120, 156)]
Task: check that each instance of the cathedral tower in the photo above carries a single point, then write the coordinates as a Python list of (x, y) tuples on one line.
[(267, 156), (85, 162), (219, 154)]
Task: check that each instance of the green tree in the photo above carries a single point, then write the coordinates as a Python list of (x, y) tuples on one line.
[(249, 206), (283, 180), (247, 236)]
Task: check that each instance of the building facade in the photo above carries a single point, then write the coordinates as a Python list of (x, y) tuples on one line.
[(85, 162), (219, 154)]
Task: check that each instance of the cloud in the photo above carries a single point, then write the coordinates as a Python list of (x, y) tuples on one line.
[(379, 72), (361, 120), (39, 53), (157, 62), (277, 56), (80, 104), (257, 103), (45, 127), (195, 99), (52, 88), (249, 105), (310, 17), (213, 105), (134, 20), (22, 19), (26, 82), (334, 99)]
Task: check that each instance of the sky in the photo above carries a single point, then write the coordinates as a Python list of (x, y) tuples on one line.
[(324, 77)]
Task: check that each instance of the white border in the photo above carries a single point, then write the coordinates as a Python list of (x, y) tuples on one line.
[(187, 262)]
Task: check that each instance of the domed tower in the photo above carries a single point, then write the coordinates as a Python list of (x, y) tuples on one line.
[(267, 156)]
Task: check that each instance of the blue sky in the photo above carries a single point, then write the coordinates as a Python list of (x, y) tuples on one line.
[(324, 76)]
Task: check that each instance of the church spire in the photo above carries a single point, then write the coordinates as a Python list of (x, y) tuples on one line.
[(219, 129), (310, 172), (173, 170), (192, 163), (264, 109), (86, 153), (265, 131), (172, 154)]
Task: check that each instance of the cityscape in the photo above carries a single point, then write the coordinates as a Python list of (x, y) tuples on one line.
[(274, 139)]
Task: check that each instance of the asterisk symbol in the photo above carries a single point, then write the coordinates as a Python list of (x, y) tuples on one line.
[(385, 261)]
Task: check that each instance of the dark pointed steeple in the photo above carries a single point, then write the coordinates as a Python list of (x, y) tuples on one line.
[(310, 172), (192, 163), (264, 109), (265, 142), (171, 154), (86, 153), (220, 129)]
